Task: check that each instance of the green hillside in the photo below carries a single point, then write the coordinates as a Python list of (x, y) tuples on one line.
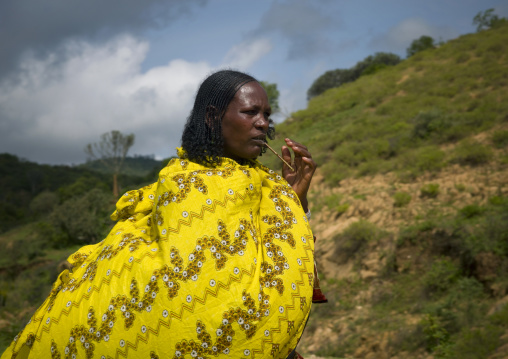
[(403, 117), (132, 166), (410, 206)]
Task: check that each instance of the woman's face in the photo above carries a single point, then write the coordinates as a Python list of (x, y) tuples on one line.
[(245, 122)]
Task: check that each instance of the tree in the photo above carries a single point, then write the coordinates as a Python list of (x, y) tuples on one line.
[(82, 219), (273, 95), (338, 77), (328, 80), (423, 43), (487, 20), (377, 61), (111, 151)]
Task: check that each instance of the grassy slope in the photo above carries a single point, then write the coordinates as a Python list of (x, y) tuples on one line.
[(419, 149), (396, 119), (27, 270)]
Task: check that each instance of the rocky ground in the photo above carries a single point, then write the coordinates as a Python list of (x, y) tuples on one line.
[(372, 199)]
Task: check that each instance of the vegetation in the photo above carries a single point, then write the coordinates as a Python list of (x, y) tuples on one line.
[(442, 274), (273, 95), (111, 151), (440, 291), (409, 118), (401, 199), (48, 212), (487, 20), (422, 43), (338, 77)]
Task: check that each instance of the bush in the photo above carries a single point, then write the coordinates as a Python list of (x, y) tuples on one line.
[(44, 203), (332, 200), (80, 220), (500, 139), (334, 173), (441, 276), (401, 199), (471, 153), (429, 123), (434, 333), (422, 43), (342, 208), (412, 234), (429, 159), (430, 190), (471, 210), (354, 238)]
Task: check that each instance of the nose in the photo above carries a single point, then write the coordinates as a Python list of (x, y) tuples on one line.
[(262, 123)]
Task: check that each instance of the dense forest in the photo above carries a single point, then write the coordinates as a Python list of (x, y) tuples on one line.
[(410, 206)]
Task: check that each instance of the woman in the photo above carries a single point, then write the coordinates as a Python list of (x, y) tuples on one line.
[(213, 260)]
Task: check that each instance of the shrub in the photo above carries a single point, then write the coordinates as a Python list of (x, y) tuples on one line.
[(354, 238), (401, 199), (332, 200), (477, 343), (342, 208), (500, 139), (471, 153), (412, 234), (369, 168), (335, 172), (460, 187), (429, 123), (44, 203), (435, 334), (429, 159), (430, 190), (471, 210), (441, 275), (463, 57), (80, 220)]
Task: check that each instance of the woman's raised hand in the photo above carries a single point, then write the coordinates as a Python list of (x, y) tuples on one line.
[(304, 168)]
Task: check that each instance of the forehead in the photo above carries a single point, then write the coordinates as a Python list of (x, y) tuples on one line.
[(252, 93)]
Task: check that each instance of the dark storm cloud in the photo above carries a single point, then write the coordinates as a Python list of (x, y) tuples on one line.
[(303, 24), (38, 27)]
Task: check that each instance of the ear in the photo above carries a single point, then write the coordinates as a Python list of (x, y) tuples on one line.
[(210, 116)]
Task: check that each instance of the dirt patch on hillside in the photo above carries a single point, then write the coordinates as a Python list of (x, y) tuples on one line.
[(373, 199)]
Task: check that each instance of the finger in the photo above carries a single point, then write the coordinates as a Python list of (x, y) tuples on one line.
[(310, 164), (288, 141), (286, 155), (299, 149)]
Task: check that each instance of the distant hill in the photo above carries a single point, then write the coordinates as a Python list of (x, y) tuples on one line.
[(136, 165), (21, 181)]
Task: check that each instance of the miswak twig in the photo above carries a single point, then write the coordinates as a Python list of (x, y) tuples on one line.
[(276, 154)]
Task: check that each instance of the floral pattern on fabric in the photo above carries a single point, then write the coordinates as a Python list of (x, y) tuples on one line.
[(205, 263)]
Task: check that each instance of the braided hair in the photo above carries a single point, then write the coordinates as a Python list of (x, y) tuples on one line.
[(202, 136)]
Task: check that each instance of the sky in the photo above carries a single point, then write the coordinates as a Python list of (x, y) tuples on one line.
[(73, 70)]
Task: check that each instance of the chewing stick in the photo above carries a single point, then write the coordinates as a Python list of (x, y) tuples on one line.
[(276, 154)]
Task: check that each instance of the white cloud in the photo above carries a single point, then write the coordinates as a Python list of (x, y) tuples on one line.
[(55, 106), (399, 37), (59, 104), (244, 55)]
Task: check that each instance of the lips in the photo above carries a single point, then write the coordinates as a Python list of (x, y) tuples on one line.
[(260, 138)]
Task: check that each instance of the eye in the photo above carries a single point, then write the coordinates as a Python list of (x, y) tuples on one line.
[(251, 112)]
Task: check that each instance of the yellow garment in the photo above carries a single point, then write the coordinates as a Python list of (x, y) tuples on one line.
[(205, 263)]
